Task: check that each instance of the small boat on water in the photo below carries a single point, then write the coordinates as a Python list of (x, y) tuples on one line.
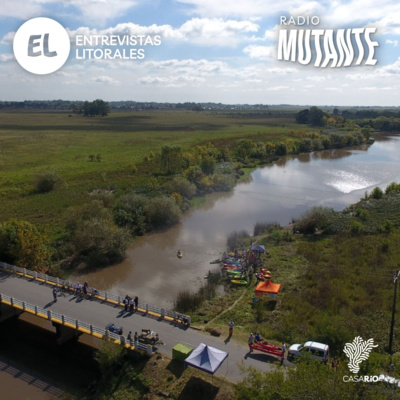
[(179, 254), (217, 261)]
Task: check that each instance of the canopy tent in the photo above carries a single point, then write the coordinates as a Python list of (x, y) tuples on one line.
[(258, 248), (267, 287), (206, 358)]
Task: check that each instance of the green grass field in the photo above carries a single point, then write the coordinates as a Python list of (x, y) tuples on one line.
[(32, 142)]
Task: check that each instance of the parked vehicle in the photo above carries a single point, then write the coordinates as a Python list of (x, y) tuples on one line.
[(310, 349)]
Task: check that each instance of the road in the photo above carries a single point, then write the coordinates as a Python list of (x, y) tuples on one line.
[(101, 313)]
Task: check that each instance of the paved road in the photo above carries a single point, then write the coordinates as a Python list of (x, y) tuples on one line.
[(100, 314)]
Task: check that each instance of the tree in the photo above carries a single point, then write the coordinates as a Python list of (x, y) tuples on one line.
[(208, 165), (162, 211), (91, 108), (100, 242), (22, 244), (94, 236), (129, 213), (316, 117), (302, 117), (281, 149), (244, 148), (171, 158)]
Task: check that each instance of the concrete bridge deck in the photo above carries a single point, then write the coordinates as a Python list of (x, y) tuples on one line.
[(100, 314)]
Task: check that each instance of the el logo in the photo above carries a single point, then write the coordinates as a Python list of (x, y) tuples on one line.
[(34, 42), (41, 46)]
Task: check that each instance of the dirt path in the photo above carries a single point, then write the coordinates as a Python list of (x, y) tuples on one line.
[(228, 309)]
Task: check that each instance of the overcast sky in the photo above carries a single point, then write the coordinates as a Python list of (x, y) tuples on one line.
[(211, 50)]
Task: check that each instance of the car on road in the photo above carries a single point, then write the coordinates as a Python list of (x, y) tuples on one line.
[(310, 349)]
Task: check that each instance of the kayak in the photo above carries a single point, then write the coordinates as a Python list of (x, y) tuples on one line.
[(235, 274), (265, 347), (239, 282)]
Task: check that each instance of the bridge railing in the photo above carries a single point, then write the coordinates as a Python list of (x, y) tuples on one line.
[(71, 322), (100, 294)]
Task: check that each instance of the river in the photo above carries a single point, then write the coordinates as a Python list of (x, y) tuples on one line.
[(275, 193)]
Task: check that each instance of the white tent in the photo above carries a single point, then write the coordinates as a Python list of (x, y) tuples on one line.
[(206, 358)]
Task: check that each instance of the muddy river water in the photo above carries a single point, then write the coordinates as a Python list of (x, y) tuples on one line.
[(275, 193)]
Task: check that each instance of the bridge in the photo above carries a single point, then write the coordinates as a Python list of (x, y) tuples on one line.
[(73, 314)]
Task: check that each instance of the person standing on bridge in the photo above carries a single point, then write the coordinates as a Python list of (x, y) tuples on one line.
[(55, 295)]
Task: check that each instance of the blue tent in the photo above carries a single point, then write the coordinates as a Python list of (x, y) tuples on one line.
[(259, 247), (206, 358)]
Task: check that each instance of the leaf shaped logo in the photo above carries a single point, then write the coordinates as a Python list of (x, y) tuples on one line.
[(357, 351)]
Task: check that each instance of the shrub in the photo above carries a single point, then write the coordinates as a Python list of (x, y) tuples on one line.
[(129, 212), (356, 227), (392, 187), (208, 165), (109, 357), (315, 218), (235, 239), (75, 216), (182, 186), (376, 193), (362, 214), (22, 244), (162, 211), (261, 227), (223, 182), (100, 242), (187, 301), (45, 181)]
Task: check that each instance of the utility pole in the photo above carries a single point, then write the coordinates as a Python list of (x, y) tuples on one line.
[(395, 277)]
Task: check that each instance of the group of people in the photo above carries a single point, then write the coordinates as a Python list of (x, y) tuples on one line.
[(131, 304), (135, 337), (81, 289), (77, 288)]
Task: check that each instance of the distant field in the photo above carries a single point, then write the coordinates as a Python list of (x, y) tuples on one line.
[(37, 141)]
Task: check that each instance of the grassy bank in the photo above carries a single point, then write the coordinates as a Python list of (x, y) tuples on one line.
[(334, 286), (108, 153)]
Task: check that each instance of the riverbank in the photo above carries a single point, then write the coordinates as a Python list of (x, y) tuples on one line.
[(335, 285)]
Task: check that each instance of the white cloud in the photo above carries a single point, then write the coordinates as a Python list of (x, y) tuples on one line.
[(171, 81), (248, 8), (20, 8), (8, 38), (98, 11), (384, 14), (260, 52), (199, 66), (105, 79), (203, 31), (394, 43), (273, 88), (6, 57)]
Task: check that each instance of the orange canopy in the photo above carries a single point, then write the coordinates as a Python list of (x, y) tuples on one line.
[(267, 287)]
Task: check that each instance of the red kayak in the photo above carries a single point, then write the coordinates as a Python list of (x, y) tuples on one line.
[(267, 348)]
